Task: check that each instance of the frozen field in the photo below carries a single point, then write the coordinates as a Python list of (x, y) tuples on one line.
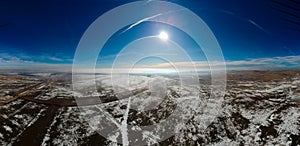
[(261, 110)]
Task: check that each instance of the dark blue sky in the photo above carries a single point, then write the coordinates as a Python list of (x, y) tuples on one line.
[(49, 31)]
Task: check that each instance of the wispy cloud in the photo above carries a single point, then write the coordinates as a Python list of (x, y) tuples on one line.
[(240, 17), (7, 59), (258, 26), (56, 59), (150, 17), (141, 21), (20, 57), (25, 62), (285, 60), (281, 62), (255, 63)]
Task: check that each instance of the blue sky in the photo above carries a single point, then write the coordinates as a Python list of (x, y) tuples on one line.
[(251, 32), (121, 39)]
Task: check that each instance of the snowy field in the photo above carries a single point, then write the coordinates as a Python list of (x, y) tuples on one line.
[(252, 112)]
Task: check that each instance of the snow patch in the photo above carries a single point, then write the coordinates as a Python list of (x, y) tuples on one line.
[(7, 128)]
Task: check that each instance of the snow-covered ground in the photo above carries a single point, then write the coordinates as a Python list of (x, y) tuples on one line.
[(15, 117), (251, 113)]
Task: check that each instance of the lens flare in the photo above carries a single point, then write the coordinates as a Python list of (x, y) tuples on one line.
[(163, 36)]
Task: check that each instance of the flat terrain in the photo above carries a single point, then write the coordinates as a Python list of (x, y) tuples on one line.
[(259, 108)]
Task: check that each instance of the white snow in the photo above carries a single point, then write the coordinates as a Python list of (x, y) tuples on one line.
[(295, 97), (36, 117), (290, 121), (283, 86), (150, 137), (7, 128)]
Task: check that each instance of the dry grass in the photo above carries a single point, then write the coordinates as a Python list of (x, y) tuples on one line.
[(264, 76)]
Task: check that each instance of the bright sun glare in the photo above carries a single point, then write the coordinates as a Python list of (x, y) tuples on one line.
[(163, 36)]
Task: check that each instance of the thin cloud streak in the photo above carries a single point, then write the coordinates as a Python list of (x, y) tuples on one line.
[(258, 26), (273, 62), (141, 21), (242, 18), (56, 59), (149, 18)]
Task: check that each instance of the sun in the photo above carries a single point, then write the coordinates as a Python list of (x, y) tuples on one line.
[(163, 36)]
